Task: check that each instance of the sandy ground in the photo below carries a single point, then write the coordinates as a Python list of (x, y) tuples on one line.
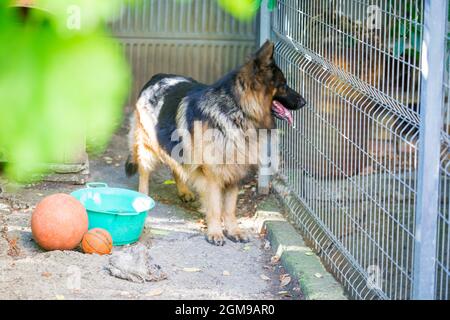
[(173, 234)]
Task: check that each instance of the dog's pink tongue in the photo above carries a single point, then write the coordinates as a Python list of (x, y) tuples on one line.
[(282, 111)]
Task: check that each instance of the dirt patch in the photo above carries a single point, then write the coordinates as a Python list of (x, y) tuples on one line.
[(14, 249), (248, 198), (173, 234), (13, 246)]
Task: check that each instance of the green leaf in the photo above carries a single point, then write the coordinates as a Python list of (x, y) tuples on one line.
[(399, 48), (402, 30), (416, 41), (58, 88), (241, 9)]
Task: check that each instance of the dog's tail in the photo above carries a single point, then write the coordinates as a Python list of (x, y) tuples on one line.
[(131, 167)]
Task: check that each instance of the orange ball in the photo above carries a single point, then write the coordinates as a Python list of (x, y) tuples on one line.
[(97, 241), (59, 222)]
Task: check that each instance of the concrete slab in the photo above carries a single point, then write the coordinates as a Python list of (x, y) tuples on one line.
[(296, 257)]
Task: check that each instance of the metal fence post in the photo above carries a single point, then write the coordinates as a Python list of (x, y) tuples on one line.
[(264, 25), (264, 34), (432, 66)]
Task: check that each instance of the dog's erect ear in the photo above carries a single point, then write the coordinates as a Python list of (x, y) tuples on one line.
[(264, 55)]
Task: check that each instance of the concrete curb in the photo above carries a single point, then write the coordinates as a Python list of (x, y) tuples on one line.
[(296, 257)]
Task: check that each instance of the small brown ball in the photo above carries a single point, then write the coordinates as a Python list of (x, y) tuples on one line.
[(59, 222), (97, 241)]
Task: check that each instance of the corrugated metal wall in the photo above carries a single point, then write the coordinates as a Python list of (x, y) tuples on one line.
[(194, 38)]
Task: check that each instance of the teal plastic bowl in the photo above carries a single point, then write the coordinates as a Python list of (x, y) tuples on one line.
[(121, 212)]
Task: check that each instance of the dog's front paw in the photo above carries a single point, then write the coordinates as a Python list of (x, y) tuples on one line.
[(237, 235), (187, 196), (215, 238)]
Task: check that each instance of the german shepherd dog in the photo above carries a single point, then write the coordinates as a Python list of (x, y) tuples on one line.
[(244, 99)]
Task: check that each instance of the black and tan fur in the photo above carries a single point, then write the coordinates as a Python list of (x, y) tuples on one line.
[(241, 100)]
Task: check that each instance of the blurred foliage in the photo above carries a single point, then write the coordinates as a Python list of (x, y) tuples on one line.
[(58, 84), (63, 79), (244, 9), (407, 33)]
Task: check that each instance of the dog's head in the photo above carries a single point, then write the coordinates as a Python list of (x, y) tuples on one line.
[(265, 76)]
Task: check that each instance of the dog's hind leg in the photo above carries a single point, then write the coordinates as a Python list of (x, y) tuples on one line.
[(185, 194), (232, 230), (131, 164)]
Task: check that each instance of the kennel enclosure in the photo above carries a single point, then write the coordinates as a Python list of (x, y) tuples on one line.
[(365, 170)]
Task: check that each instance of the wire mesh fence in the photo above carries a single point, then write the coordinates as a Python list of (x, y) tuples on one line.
[(443, 239), (349, 167)]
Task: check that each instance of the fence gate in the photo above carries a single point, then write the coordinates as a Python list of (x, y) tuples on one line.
[(366, 166)]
